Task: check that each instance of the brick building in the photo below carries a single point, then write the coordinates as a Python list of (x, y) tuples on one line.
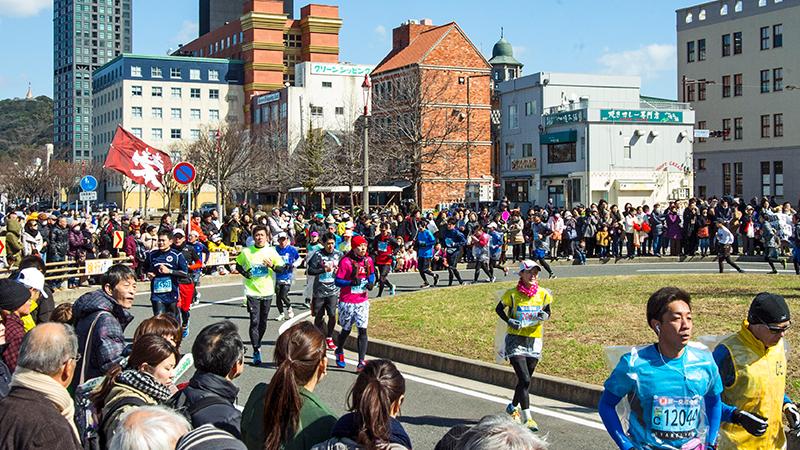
[(271, 42), (431, 101)]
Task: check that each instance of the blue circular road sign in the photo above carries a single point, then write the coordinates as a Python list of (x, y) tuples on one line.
[(88, 183), (184, 173)]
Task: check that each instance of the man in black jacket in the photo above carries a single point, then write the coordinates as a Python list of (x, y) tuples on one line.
[(210, 396), (58, 246)]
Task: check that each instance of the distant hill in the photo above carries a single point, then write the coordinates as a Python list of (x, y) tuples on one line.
[(25, 123)]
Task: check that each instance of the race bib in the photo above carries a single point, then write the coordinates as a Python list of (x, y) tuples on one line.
[(259, 271), (675, 418), (162, 285), (383, 246), (527, 315), (326, 277), (448, 242), (360, 288), (286, 258)]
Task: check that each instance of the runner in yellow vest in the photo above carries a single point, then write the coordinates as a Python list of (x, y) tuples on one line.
[(752, 365)]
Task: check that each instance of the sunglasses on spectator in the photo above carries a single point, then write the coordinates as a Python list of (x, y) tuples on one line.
[(777, 330)]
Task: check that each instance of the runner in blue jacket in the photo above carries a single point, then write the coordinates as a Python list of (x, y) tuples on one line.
[(425, 242)]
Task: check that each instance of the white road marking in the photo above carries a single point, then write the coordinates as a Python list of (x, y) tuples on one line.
[(218, 302), (297, 318), (728, 269)]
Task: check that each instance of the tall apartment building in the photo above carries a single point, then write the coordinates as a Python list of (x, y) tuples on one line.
[(86, 35), (214, 13), (741, 64)]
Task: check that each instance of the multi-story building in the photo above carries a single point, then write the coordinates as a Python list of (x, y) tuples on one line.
[(86, 35), (325, 96), (579, 138), (738, 66), (431, 95), (167, 101), (214, 13), (271, 42)]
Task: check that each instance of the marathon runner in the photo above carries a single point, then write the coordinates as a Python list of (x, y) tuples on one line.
[(164, 266), (383, 247), (355, 277), (425, 241), (186, 283), (454, 241), (291, 259), (322, 267)]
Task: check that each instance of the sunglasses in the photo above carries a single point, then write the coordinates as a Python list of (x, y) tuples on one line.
[(777, 330)]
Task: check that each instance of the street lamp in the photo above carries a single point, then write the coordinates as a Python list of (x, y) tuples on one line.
[(366, 86)]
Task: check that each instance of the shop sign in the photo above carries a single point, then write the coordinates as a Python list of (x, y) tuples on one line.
[(523, 164), (564, 117), (339, 69), (638, 115), (268, 98), (559, 137)]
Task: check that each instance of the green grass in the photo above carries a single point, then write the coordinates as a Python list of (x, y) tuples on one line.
[(588, 314)]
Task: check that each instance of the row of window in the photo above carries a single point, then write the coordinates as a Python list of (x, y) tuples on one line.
[(733, 180), (175, 92), (771, 80), (771, 126), (175, 113), (175, 73), (218, 46), (732, 43), (157, 134)]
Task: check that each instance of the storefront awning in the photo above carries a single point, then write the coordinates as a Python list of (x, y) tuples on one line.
[(559, 137)]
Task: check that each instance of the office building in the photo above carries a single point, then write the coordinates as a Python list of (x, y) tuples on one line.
[(738, 63), (86, 35), (215, 13)]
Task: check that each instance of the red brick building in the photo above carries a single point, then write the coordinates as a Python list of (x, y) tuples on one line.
[(270, 42), (431, 94)]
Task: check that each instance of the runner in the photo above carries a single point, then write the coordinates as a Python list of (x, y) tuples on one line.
[(355, 276), (673, 386), (425, 242), (772, 242), (291, 259), (203, 252), (313, 246), (454, 241), (480, 253), (258, 264), (752, 365), (323, 266), (540, 248), (163, 266), (383, 247), (528, 306), (186, 283), (496, 246), (724, 239)]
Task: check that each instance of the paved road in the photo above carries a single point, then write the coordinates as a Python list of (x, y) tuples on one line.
[(434, 402)]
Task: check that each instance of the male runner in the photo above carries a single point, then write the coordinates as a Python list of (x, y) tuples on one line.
[(164, 266), (323, 265)]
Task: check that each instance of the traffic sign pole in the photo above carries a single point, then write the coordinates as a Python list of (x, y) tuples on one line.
[(189, 211)]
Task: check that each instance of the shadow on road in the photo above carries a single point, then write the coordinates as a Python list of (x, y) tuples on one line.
[(436, 421)]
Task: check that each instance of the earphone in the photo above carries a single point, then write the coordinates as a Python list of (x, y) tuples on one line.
[(658, 329)]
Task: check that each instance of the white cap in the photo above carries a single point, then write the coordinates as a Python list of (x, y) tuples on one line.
[(32, 278), (492, 225), (282, 235), (527, 265)]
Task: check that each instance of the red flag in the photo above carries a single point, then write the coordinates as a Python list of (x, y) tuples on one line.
[(136, 160)]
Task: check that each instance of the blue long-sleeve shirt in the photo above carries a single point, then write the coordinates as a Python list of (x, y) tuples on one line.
[(454, 239), (426, 242)]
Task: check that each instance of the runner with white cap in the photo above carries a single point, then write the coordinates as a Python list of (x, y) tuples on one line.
[(291, 259)]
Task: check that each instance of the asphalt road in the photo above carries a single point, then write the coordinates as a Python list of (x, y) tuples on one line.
[(434, 402)]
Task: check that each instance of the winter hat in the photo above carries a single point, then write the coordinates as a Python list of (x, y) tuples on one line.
[(358, 240), (208, 437), (13, 294), (768, 308)]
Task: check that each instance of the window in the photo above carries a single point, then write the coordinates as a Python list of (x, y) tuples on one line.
[(764, 38), (316, 110), (737, 85), (136, 91), (327, 84), (765, 126), (777, 122), (701, 125), (701, 90), (777, 79), (777, 168), (702, 191), (701, 49), (340, 110), (509, 149), (726, 45), (194, 74), (136, 112), (690, 88), (136, 71), (213, 114), (174, 72), (527, 150), (726, 178), (213, 94), (738, 179), (194, 114), (561, 153), (626, 152), (777, 36), (726, 129), (764, 81), (157, 113), (726, 86), (690, 52), (530, 108), (156, 134), (175, 113), (738, 6), (194, 93), (292, 40), (194, 134), (176, 92), (513, 120), (175, 133), (737, 43), (766, 185), (156, 91), (155, 72), (137, 132), (701, 164), (213, 75), (737, 129)]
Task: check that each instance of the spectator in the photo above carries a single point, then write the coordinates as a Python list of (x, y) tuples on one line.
[(15, 301), (76, 249), (210, 397), (208, 437), (5, 373), (299, 419), (146, 379), (33, 279), (500, 432), (14, 245), (149, 428), (162, 325), (62, 314), (100, 320), (32, 240), (38, 412), (58, 244)]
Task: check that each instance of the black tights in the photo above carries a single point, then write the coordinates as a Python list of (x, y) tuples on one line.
[(425, 269), (544, 264), (482, 265), (383, 280), (523, 367), (362, 341), (452, 267)]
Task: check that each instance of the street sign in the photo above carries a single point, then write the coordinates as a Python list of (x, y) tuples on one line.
[(89, 183), (119, 239), (2, 246), (87, 196), (702, 133), (184, 173)]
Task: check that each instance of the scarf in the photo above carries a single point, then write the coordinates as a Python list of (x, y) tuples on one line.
[(145, 383), (51, 389), (529, 291)]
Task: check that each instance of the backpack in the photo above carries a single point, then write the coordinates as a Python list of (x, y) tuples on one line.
[(90, 422), (141, 252), (179, 403)]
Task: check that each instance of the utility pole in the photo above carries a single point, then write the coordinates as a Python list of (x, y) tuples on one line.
[(219, 169)]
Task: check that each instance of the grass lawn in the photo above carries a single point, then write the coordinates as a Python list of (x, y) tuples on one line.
[(588, 314)]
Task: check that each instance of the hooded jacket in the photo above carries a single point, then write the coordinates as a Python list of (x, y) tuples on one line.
[(59, 244), (13, 238)]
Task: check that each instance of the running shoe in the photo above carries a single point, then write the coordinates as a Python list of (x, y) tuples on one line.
[(436, 279), (291, 313), (532, 425), (513, 411), (280, 317), (257, 358), (340, 358), (185, 331), (552, 275), (331, 344), (505, 271), (783, 261), (493, 279), (424, 286), (392, 290), (360, 366)]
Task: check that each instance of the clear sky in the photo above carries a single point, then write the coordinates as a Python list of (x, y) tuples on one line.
[(626, 37)]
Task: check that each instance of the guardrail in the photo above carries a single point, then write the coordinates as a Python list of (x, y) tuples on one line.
[(63, 270)]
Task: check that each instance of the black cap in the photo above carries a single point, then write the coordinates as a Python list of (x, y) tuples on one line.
[(768, 308), (13, 294)]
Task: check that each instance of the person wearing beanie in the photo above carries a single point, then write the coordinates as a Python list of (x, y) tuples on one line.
[(15, 302), (752, 365), (355, 277), (209, 437)]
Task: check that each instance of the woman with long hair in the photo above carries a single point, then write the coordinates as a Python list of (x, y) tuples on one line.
[(286, 414), (146, 379)]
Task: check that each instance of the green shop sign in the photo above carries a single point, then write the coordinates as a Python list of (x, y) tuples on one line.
[(564, 117), (638, 115), (559, 137)]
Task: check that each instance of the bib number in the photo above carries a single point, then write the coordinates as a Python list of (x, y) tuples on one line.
[(259, 271), (675, 418), (360, 288), (383, 246), (162, 285), (448, 242), (527, 315)]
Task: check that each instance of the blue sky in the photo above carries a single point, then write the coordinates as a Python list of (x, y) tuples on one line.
[(630, 37)]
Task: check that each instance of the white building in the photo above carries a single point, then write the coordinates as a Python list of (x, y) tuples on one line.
[(326, 96), (579, 138), (166, 101)]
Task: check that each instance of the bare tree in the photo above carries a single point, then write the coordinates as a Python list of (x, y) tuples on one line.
[(274, 170)]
